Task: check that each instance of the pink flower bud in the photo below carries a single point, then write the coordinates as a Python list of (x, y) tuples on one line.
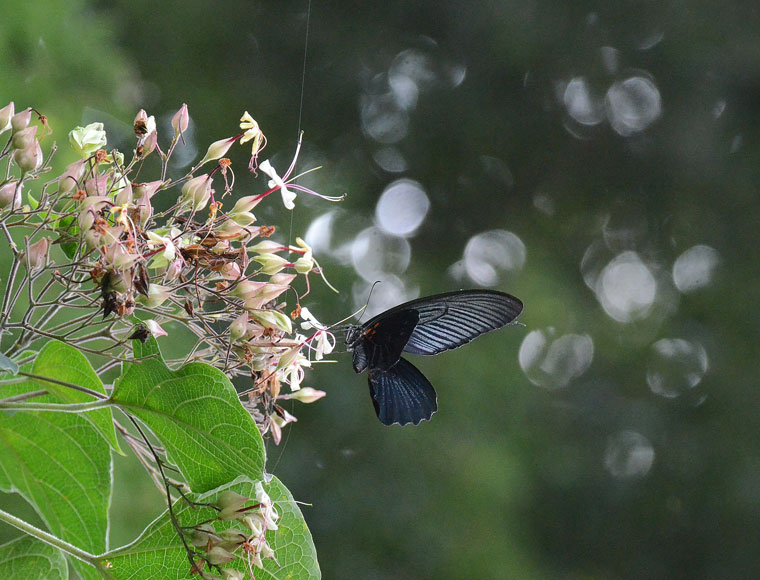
[(21, 139), (21, 120), (239, 327), (144, 210), (120, 259), (155, 328), (147, 189), (157, 295), (37, 255), (180, 120), (10, 195), (272, 319), (217, 149), (149, 144), (231, 231), (217, 556), (266, 294), (271, 263), (232, 574), (267, 247), (201, 535), (304, 264), (97, 186), (30, 158), (243, 219), (125, 195), (5, 117), (247, 289), (174, 269), (88, 209), (231, 271), (305, 395), (71, 176), (282, 278), (197, 191), (245, 204), (230, 503)]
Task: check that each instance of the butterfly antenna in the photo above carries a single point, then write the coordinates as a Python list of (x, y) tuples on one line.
[(347, 318), (360, 312), (363, 309)]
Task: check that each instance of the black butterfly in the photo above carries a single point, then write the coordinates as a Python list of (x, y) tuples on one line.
[(400, 393)]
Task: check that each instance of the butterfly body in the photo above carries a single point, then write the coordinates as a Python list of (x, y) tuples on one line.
[(427, 326)]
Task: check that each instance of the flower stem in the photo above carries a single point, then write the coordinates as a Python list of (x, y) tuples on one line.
[(50, 539), (60, 407)]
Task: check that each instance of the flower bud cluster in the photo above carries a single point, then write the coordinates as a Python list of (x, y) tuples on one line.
[(217, 543), (204, 265)]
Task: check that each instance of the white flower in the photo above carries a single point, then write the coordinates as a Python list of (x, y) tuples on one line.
[(268, 512), (309, 320), (252, 132), (290, 367), (325, 344), (165, 256), (87, 140), (276, 181)]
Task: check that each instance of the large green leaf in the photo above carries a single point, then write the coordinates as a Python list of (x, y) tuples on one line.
[(196, 414), (158, 553), (26, 558), (62, 466), (65, 363)]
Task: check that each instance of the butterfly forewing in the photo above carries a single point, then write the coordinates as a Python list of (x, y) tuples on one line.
[(402, 394), (450, 320)]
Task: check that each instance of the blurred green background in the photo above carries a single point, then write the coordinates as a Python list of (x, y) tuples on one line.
[(598, 160)]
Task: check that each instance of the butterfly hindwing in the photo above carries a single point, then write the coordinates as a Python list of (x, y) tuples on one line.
[(402, 394), (381, 340)]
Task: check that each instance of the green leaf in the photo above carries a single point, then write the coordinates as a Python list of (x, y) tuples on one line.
[(196, 414), (62, 466), (69, 235), (26, 558), (7, 364), (33, 203), (63, 362), (158, 553)]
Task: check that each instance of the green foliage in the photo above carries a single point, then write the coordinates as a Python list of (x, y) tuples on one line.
[(196, 413), (28, 559), (158, 553), (61, 464), (66, 364)]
